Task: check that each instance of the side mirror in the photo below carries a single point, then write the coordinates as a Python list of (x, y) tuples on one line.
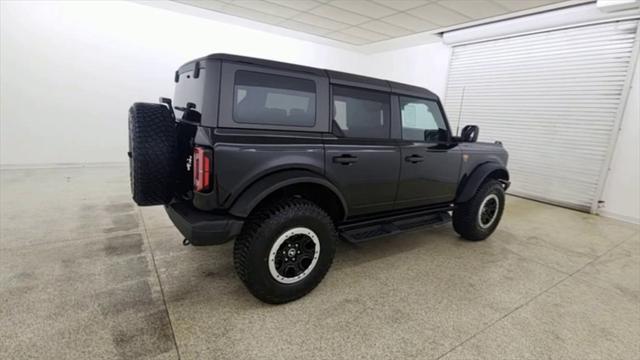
[(470, 133)]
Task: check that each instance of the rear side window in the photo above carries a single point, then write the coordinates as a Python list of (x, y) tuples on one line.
[(361, 113), (268, 99)]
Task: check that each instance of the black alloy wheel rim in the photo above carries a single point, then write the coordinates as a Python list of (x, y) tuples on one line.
[(488, 211), (294, 255)]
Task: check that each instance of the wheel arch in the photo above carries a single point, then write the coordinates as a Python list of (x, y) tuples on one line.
[(302, 183), (471, 184)]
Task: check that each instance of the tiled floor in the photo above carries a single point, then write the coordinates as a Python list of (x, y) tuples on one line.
[(86, 274)]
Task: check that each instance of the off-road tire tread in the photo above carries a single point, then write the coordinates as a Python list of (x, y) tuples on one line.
[(465, 214), (260, 221), (153, 151)]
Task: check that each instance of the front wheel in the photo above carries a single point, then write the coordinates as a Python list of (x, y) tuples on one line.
[(284, 250), (477, 218)]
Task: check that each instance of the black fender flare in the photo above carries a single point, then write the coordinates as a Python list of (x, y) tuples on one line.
[(470, 185), (260, 189)]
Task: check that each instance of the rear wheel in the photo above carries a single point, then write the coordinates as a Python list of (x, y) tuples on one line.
[(284, 250), (478, 218), (152, 153)]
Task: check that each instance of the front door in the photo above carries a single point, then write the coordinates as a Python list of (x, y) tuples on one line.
[(430, 166), (360, 158)]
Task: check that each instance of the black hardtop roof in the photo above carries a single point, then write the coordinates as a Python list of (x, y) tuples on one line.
[(335, 77)]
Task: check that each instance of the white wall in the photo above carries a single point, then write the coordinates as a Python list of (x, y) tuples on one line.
[(70, 70), (622, 188), (425, 65)]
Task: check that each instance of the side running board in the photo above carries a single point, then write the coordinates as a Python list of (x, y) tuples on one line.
[(365, 231)]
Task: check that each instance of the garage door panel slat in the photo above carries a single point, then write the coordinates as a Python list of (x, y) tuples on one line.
[(603, 46), (573, 42)]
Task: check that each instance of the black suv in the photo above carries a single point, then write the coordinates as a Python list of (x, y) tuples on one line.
[(287, 158)]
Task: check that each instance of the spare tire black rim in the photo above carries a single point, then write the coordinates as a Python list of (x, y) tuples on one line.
[(488, 211), (294, 255)]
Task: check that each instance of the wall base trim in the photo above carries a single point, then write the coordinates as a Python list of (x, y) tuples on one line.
[(61, 165), (616, 216)]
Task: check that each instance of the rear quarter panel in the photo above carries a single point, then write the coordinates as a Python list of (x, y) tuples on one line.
[(242, 157)]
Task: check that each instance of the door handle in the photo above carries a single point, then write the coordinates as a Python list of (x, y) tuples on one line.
[(414, 159), (345, 159)]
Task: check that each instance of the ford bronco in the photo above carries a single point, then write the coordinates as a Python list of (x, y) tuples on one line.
[(285, 159)]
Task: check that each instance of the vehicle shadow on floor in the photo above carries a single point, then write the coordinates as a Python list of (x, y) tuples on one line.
[(207, 274)]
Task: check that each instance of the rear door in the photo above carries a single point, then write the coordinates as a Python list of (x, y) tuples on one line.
[(430, 166), (360, 156), (270, 119)]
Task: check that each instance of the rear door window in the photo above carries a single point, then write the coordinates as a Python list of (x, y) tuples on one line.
[(361, 113), (261, 98)]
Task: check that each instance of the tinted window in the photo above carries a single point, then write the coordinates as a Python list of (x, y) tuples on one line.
[(361, 113), (273, 99), (422, 120)]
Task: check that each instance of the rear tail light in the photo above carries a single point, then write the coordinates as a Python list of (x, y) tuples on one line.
[(201, 169)]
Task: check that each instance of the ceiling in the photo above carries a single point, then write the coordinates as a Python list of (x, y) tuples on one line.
[(362, 22)]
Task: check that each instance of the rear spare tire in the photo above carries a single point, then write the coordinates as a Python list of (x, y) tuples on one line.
[(152, 153)]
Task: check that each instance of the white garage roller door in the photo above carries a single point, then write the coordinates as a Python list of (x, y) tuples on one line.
[(553, 98)]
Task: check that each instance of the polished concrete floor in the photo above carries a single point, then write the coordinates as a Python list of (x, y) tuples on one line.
[(85, 274)]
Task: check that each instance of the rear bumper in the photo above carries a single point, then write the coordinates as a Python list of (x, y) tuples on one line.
[(201, 227)]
